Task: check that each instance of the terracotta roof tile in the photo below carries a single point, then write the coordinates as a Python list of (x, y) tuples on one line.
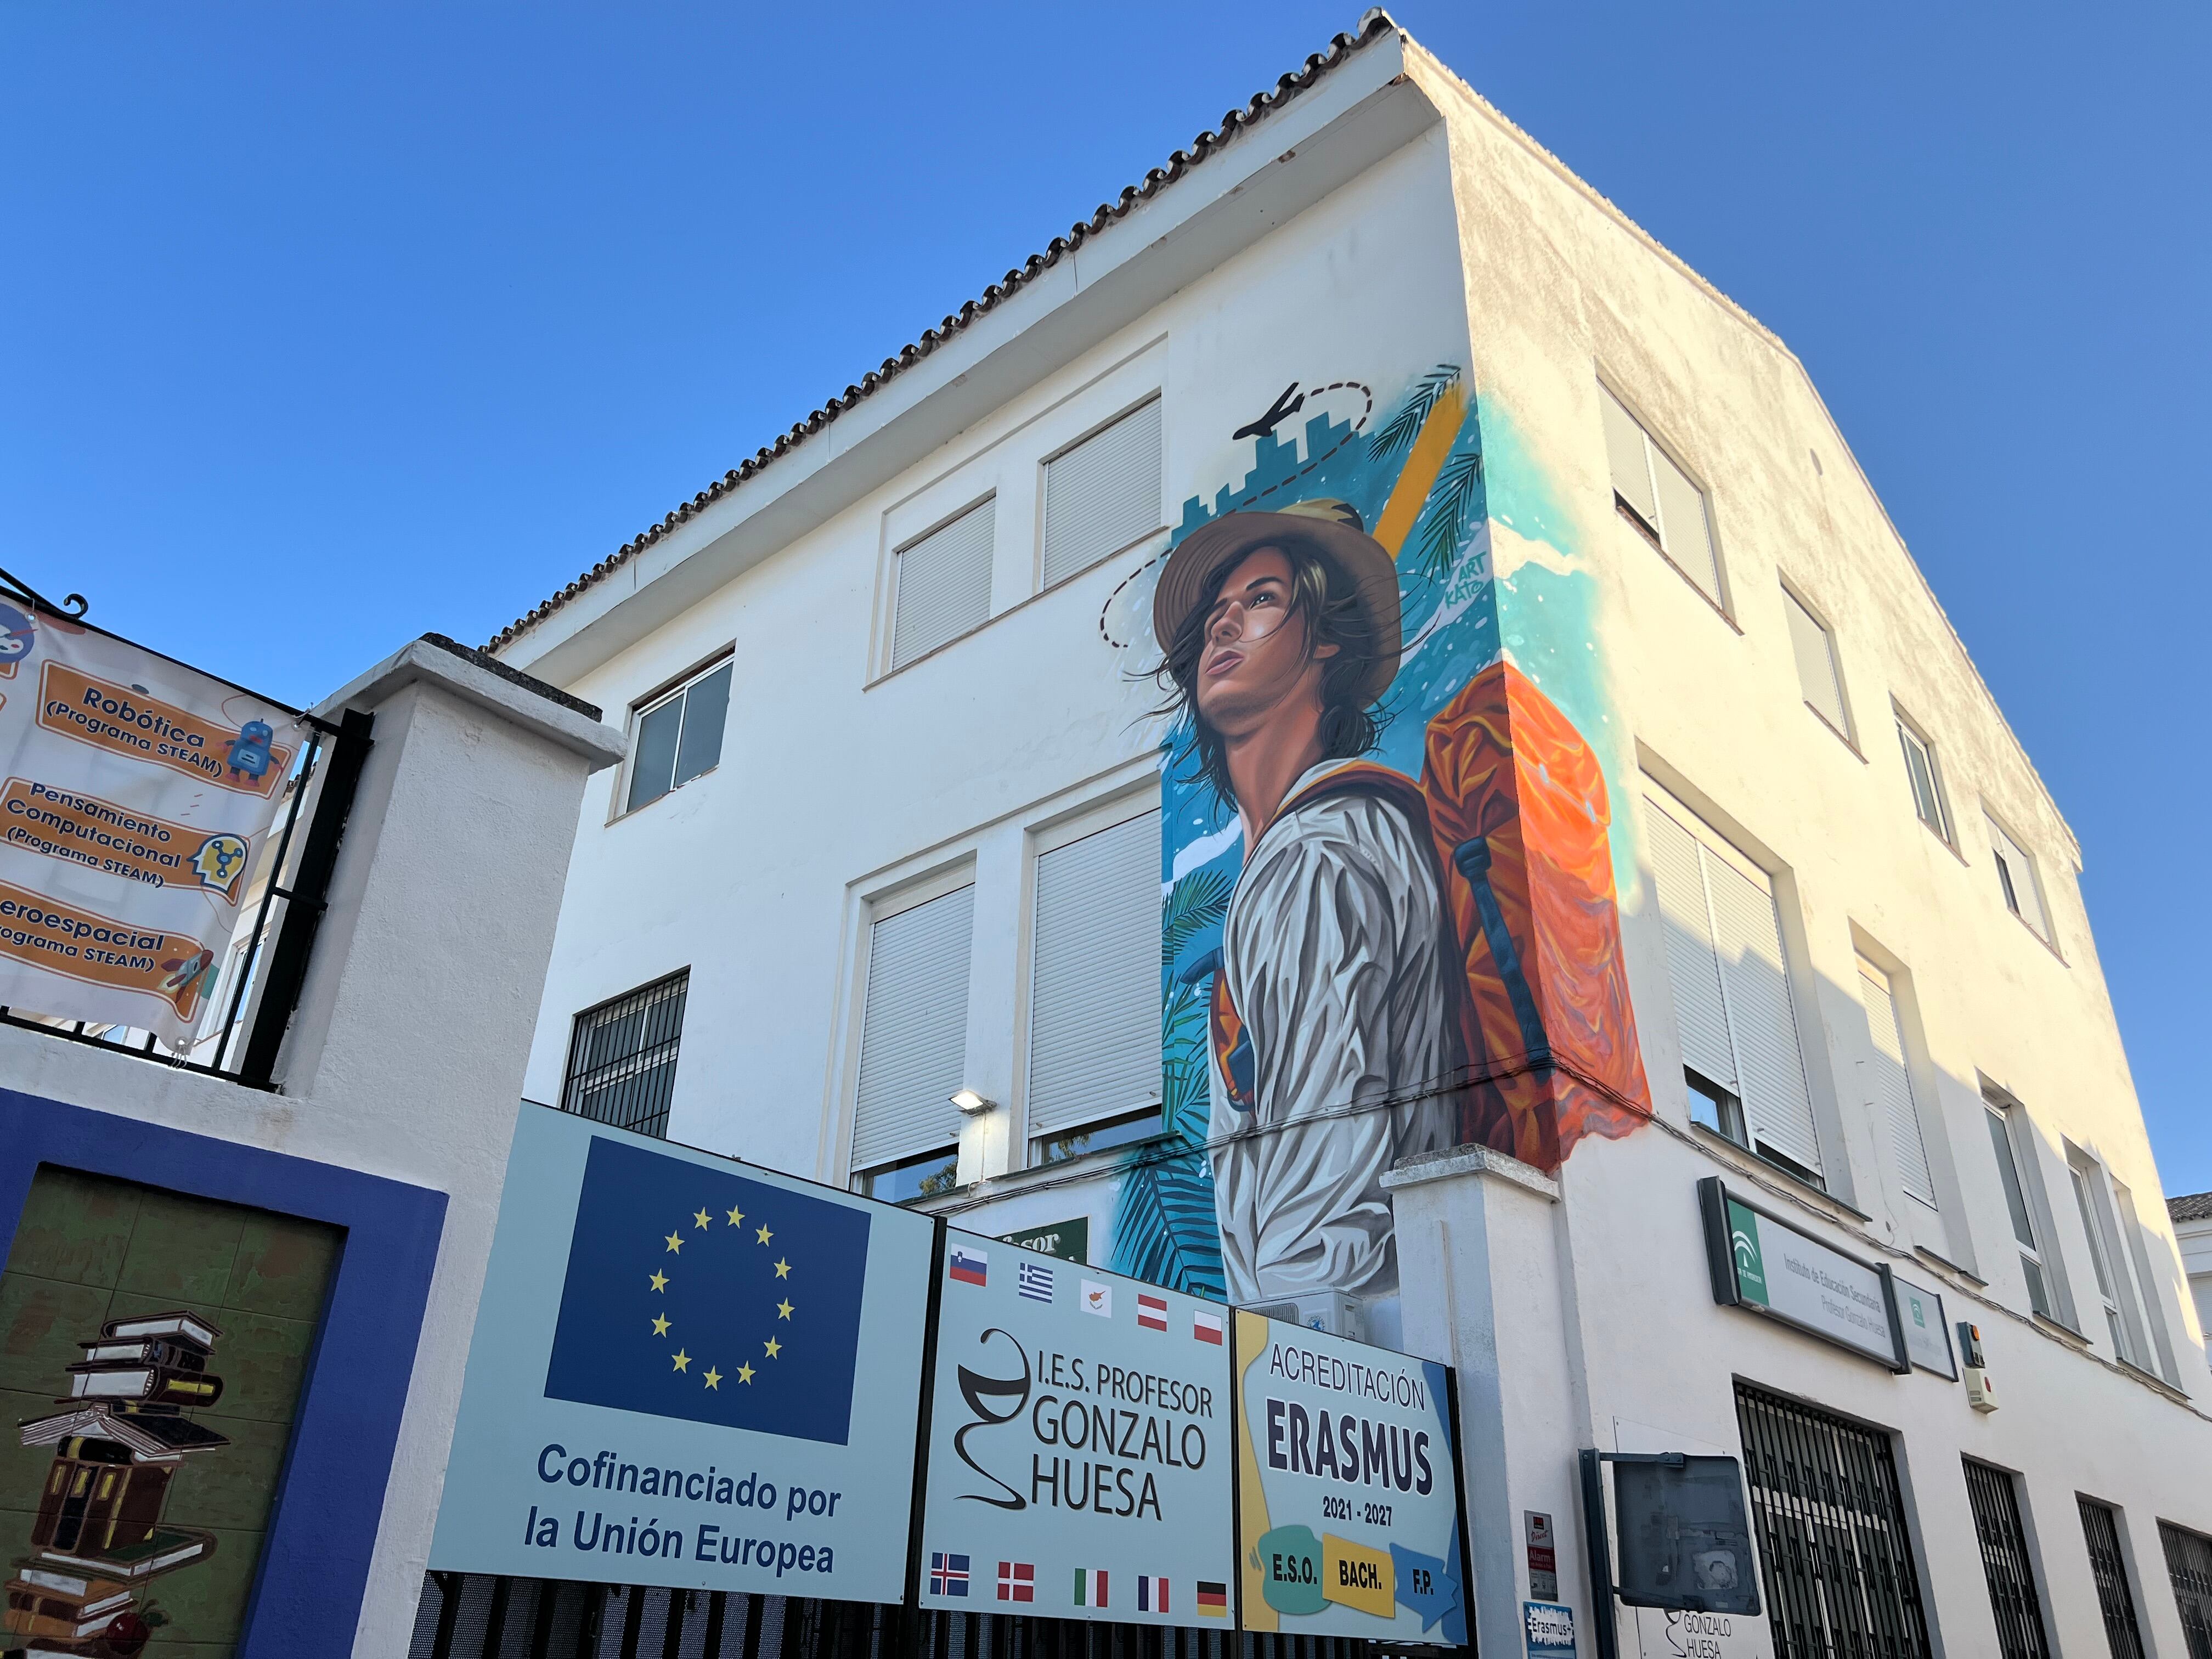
[(1374, 24)]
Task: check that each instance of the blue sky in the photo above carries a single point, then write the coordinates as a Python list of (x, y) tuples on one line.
[(321, 326)]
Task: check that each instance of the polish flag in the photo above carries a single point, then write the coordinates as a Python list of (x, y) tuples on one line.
[(1151, 1311)]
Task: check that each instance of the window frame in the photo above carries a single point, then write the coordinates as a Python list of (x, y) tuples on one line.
[(1792, 594), (646, 995), (2111, 1262), (1092, 819), (891, 664), (1039, 582), (1910, 732), (651, 703), (2008, 884), (1721, 598), (2039, 1253), (889, 903)]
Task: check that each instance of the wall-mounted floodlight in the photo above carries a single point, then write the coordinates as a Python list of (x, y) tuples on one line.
[(973, 1103)]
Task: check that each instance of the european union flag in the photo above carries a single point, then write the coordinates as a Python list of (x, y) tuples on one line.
[(696, 1293)]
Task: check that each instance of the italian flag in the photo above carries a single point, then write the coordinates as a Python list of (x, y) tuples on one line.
[(1090, 1587)]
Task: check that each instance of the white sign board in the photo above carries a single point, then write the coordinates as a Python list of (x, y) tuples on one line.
[(134, 793), (1927, 1332), (665, 1382), (1791, 1276), (1348, 1502), (1079, 1450)]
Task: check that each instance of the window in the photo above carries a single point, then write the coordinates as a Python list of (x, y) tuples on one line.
[(2108, 1259), (2189, 1565), (942, 584), (2134, 1247), (1095, 991), (2100, 1529), (1656, 496), (2023, 1223), (622, 1057), (2016, 881), (678, 737), (1927, 780), (1746, 1075), (1102, 495), (2005, 1564), (1818, 676), (1892, 1084), (913, 1045), (1834, 1558)]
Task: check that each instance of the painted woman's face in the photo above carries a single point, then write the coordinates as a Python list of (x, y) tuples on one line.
[(1255, 660)]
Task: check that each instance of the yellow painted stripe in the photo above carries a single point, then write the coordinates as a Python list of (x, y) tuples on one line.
[(1422, 462)]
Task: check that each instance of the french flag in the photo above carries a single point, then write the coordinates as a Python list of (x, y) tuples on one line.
[(1151, 1595), (969, 1265)]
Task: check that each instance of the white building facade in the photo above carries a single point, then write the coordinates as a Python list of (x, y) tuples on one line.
[(1738, 871)]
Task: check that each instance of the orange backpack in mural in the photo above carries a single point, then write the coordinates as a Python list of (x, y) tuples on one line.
[(1517, 808)]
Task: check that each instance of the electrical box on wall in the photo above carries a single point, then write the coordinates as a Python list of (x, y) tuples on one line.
[(1974, 1369), (1326, 1311)]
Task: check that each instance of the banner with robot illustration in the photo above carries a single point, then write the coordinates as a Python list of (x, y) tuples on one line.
[(1389, 922), (134, 794)]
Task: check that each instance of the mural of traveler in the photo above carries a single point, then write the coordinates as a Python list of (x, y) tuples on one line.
[(1390, 924)]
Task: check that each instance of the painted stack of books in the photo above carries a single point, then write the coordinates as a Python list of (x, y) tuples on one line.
[(123, 1433)]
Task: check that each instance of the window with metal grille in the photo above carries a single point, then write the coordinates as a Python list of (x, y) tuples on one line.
[(1653, 493), (1102, 495), (622, 1059), (1995, 1496), (1834, 1555), (2188, 1564), (2100, 1529)]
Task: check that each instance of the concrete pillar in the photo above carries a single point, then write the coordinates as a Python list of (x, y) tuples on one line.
[(1485, 1289)]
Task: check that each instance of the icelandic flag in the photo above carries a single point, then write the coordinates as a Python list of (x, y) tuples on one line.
[(1205, 1327), (948, 1574), (1090, 1587), (969, 1265), (696, 1293), (1151, 1311), (1017, 1581), (1151, 1595)]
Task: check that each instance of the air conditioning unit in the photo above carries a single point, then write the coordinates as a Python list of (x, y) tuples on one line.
[(1324, 1310)]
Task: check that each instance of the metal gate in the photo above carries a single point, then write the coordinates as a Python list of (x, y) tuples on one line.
[(2101, 1530), (2005, 1562), (1833, 1551), (2189, 1563), (477, 1616)]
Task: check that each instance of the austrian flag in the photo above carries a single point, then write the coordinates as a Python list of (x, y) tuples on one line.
[(1152, 1312), (1205, 1327)]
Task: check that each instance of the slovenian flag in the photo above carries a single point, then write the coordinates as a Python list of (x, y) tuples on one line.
[(1205, 1327), (1151, 1595), (969, 1265), (1090, 1587), (1212, 1599), (1151, 1311)]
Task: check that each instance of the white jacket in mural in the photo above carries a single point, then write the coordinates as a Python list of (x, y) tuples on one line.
[(1336, 967)]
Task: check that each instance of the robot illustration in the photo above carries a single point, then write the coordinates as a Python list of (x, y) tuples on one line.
[(16, 634), (249, 751), (219, 860)]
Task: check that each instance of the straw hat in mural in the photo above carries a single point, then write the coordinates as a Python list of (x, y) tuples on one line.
[(1331, 528)]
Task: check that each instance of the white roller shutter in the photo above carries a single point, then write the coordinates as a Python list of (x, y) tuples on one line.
[(1102, 495), (914, 1030), (1731, 980), (1624, 454), (1694, 967), (1684, 529), (1892, 1084), (1095, 977), (1755, 979), (944, 584), (1816, 661)]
